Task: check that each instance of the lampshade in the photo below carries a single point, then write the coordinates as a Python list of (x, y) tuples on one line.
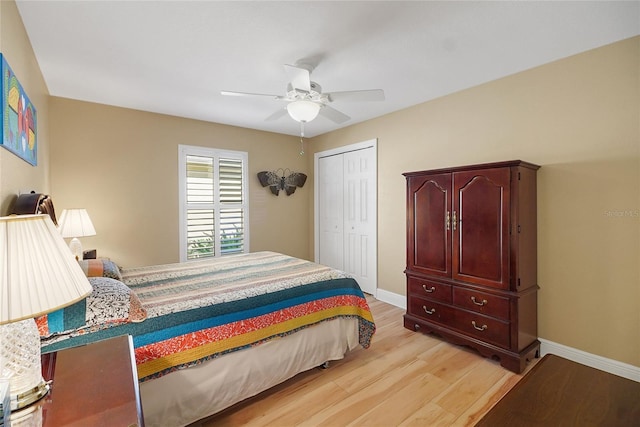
[(38, 275), (76, 223), (303, 111)]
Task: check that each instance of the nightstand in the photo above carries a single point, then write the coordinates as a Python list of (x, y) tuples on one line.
[(92, 385)]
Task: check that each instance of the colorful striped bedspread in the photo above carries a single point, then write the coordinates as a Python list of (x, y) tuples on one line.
[(203, 309)]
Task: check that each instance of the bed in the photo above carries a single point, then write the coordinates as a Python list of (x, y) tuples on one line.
[(208, 334)]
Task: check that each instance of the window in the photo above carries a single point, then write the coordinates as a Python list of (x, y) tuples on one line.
[(213, 202)]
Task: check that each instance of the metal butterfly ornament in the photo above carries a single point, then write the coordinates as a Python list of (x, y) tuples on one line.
[(288, 182)]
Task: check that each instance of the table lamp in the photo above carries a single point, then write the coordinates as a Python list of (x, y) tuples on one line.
[(38, 275), (76, 223)]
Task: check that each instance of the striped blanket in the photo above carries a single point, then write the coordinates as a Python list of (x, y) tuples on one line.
[(203, 309)]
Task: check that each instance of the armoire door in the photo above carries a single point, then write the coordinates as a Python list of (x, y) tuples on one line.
[(480, 225), (429, 224)]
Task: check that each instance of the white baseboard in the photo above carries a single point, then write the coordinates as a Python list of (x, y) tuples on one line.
[(392, 298), (598, 362)]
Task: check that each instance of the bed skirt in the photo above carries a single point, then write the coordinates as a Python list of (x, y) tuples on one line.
[(186, 396)]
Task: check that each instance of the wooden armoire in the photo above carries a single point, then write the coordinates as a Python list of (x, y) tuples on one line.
[(471, 258)]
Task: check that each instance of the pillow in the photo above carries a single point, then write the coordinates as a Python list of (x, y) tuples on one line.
[(70, 317), (100, 268), (111, 303)]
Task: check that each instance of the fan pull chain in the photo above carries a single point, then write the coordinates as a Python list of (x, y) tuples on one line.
[(301, 140)]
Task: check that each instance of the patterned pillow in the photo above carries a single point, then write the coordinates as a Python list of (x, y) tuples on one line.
[(100, 268), (71, 317), (112, 302)]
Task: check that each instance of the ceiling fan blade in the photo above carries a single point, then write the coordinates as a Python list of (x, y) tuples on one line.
[(333, 114), (231, 93), (300, 78), (277, 114), (357, 95)]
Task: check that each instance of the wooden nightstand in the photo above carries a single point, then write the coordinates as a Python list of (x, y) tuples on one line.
[(93, 385)]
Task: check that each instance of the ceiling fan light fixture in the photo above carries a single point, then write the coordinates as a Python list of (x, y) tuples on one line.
[(303, 111)]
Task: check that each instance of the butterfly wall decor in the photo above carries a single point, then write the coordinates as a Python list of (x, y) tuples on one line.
[(288, 182)]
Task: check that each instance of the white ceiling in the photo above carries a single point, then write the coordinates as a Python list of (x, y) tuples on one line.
[(174, 57)]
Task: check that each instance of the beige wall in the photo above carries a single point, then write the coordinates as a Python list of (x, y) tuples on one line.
[(15, 174), (579, 118), (122, 166)]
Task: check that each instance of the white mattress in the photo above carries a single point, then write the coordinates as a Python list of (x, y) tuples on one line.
[(189, 395)]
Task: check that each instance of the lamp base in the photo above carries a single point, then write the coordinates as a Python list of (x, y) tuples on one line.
[(21, 364), (25, 399), (76, 248), (30, 416)]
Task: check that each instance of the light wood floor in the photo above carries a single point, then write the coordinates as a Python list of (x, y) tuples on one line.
[(403, 379)]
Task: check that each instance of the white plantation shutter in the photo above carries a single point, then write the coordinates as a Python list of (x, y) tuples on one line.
[(213, 202), (230, 176), (200, 220)]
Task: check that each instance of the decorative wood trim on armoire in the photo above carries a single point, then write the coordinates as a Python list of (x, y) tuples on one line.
[(472, 259)]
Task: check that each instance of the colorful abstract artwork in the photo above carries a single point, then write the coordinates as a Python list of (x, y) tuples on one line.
[(19, 125)]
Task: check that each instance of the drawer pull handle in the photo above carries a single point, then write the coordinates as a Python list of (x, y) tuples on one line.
[(481, 303), (433, 310), (480, 328), (428, 290)]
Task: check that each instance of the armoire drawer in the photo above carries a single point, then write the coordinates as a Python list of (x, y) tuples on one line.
[(430, 310), (429, 289), (482, 327), (489, 304)]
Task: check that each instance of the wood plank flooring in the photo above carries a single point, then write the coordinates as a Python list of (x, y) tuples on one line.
[(403, 379), (560, 392)]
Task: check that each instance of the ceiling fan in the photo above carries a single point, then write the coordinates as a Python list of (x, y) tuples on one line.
[(305, 99)]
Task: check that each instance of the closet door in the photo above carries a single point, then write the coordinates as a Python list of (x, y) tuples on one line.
[(330, 211), (360, 218), (346, 216)]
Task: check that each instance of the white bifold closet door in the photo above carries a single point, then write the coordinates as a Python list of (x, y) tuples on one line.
[(346, 214)]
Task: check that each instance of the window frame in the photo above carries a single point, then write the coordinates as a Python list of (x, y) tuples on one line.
[(216, 154)]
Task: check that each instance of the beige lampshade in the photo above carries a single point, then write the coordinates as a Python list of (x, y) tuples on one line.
[(76, 223), (38, 273)]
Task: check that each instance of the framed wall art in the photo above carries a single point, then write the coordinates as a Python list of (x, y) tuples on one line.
[(19, 124)]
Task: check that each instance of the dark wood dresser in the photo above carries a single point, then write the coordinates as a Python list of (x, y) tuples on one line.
[(92, 385), (471, 258)]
